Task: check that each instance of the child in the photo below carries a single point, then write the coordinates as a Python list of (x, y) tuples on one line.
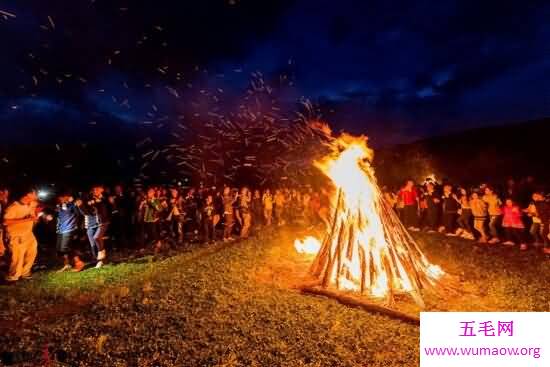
[(479, 211), (513, 225)]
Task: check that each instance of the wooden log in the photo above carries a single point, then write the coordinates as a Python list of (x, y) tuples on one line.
[(363, 262), (324, 256), (362, 304)]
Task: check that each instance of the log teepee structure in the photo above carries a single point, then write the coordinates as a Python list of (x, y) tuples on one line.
[(366, 249)]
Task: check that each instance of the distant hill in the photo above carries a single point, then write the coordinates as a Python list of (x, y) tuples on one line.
[(487, 154)]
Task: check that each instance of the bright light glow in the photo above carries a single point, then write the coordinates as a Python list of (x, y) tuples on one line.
[(43, 194), (431, 178), (309, 245)]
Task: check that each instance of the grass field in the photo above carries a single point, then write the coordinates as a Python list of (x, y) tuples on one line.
[(234, 305)]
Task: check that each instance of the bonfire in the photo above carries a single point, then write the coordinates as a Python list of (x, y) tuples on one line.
[(366, 248)]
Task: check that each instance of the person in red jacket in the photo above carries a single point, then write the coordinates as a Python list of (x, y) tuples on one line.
[(409, 196), (513, 225)]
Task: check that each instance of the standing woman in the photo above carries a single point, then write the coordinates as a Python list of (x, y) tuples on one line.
[(96, 222), (245, 211), (267, 201)]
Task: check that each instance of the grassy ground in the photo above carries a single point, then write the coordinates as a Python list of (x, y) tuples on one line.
[(233, 305)]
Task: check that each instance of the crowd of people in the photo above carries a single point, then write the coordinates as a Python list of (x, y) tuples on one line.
[(137, 220), (518, 214), (163, 216)]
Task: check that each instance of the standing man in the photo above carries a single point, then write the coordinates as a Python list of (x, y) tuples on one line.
[(494, 207), (151, 208), (450, 206), (19, 220), (175, 215), (431, 213), (67, 228)]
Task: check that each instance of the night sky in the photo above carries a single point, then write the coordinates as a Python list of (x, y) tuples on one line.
[(396, 70)]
